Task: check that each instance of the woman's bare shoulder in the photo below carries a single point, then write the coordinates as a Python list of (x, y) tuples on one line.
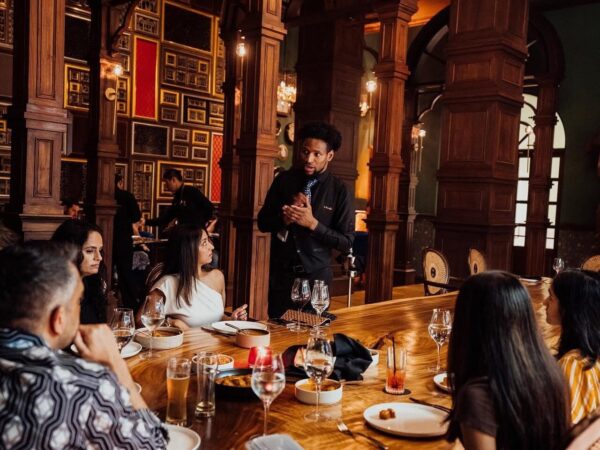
[(214, 278)]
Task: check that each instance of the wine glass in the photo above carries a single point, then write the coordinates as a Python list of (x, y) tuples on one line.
[(153, 315), (320, 300), (439, 329), (122, 326), (300, 296), (558, 265), (318, 363), (268, 380)]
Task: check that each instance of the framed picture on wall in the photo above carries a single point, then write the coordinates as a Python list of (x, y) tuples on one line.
[(200, 137), (150, 139), (181, 135)]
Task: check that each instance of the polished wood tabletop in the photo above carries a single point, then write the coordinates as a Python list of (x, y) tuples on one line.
[(236, 421)]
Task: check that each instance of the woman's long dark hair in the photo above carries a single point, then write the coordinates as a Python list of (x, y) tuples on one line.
[(578, 294), (182, 259), (495, 335)]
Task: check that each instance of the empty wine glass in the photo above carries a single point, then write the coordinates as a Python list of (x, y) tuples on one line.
[(300, 296), (558, 265), (318, 363), (153, 315), (122, 326), (320, 300), (268, 380), (439, 329)]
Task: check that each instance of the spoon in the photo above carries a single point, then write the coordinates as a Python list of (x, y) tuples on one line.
[(234, 327)]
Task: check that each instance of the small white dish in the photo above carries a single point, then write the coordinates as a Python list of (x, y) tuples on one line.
[(222, 327), (412, 420), (182, 438), (225, 362), (309, 396), (375, 356), (441, 382), (131, 349)]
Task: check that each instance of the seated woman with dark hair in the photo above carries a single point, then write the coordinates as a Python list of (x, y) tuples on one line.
[(507, 390), (194, 293), (88, 239), (574, 304)]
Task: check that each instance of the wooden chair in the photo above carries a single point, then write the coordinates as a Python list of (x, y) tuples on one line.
[(586, 434), (476, 260), (592, 263), (436, 272)]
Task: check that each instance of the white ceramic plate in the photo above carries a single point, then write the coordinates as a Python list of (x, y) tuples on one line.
[(438, 381), (242, 324), (182, 438), (131, 349), (411, 420)]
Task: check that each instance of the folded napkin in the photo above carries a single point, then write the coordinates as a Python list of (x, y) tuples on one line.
[(273, 442), (351, 359), (306, 318)]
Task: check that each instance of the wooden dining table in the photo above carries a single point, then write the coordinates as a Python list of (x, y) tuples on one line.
[(236, 420)]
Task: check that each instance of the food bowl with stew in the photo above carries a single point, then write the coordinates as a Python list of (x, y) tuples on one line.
[(252, 337), (306, 391), (235, 384), (164, 338)]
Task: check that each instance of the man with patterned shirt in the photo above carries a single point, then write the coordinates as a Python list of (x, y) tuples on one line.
[(49, 399)]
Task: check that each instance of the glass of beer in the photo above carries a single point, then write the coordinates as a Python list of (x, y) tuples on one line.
[(178, 381), (396, 370)]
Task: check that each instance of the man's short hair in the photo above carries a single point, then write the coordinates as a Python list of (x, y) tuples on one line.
[(322, 131), (118, 178), (34, 276), (68, 202), (172, 173)]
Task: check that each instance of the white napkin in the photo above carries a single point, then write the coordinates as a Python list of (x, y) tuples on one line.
[(273, 442)]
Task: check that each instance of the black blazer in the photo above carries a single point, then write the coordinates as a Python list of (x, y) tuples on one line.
[(189, 207)]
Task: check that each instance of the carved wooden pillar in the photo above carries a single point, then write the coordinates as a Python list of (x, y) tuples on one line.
[(256, 149), (480, 122), (539, 179), (37, 117), (102, 150), (404, 272), (386, 164), (329, 72)]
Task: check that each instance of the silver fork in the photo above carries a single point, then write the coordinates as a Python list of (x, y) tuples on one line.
[(344, 429)]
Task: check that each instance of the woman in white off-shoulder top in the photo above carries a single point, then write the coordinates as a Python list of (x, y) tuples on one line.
[(194, 293)]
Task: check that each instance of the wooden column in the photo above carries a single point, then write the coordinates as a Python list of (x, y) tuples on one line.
[(329, 72), (386, 164), (256, 149), (37, 117), (480, 122), (539, 179)]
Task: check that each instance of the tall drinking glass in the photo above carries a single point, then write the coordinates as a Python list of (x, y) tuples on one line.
[(153, 315), (439, 329), (122, 326), (300, 296), (558, 265), (318, 363), (178, 381), (206, 369), (268, 380), (320, 299)]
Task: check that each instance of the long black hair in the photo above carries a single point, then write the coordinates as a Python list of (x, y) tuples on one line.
[(578, 294), (182, 259), (76, 232), (495, 335)]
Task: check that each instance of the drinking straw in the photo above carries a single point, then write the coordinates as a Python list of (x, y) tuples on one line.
[(394, 354)]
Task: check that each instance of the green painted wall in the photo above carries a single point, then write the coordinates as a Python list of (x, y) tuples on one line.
[(579, 108)]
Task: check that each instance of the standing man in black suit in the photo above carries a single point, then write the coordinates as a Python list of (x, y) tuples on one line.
[(128, 213), (189, 205), (309, 212)]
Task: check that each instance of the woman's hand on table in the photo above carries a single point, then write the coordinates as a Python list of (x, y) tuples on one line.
[(240, 313)]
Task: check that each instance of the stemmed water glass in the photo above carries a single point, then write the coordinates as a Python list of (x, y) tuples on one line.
[(122, 326), (439, 329), (268, 380), (318, 363), (153, 315), (300, 296), (319, 300), (558, 265)]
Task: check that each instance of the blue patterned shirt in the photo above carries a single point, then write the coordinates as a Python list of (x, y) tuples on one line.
[(52, 400)]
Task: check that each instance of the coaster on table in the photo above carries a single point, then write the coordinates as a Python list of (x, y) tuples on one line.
[(292, 315)]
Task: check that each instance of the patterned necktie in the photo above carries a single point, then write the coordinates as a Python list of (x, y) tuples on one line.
[(309, 184)]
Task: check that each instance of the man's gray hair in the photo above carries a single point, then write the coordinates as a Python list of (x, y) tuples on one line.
[(34, 277)]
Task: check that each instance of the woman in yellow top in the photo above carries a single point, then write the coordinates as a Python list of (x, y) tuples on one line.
[(574, 304)]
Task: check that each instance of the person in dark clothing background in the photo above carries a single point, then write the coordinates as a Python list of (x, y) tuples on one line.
[(189, 205), (309, 212), (128, 213)]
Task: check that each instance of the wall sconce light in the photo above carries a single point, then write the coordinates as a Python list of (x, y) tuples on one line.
[(286, 93), (240, 48), (417, 135), (118, 69), (366, 100)]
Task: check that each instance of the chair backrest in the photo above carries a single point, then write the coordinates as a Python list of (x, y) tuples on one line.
[(476, 260), (586, 434), (592, 263), (436, 269)]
